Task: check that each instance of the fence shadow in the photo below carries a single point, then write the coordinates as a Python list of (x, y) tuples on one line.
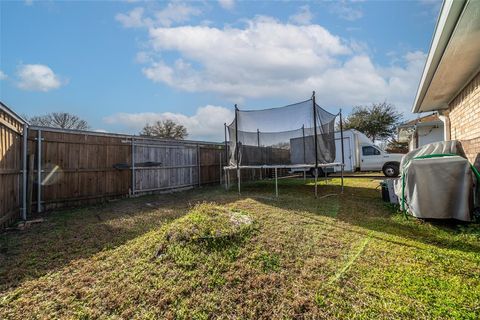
[(73, 234)]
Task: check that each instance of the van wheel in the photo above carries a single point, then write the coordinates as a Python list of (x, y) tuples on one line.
[(391, 170), (320, 172)]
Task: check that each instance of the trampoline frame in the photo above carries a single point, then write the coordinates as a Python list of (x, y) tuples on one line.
[(315, 165), (282, 166)]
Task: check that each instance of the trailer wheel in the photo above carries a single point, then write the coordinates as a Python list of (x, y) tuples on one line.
[(391, 170)]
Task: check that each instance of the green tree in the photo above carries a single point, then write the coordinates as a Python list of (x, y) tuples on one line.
[(166, 129), (378, 121), (61, 120)]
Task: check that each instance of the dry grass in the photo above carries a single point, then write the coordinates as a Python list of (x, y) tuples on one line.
[(348, 256)]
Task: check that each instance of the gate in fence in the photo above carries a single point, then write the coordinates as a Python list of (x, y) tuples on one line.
[(45, 168)]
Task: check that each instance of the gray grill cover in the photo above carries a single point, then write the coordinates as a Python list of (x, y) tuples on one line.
[(439, 188)]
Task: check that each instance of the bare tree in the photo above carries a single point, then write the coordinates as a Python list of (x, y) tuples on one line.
[(166, 129), (61, 120)]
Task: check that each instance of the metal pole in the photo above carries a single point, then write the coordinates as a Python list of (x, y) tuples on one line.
[(343, 149), (237, 153), (39, 171), (133, 166), (276, 183), (226, 144), (227, 175), (315, 139), (259, 149), (304, 153), (220, 162), (226, 156), (238, 180), (24, 172), (198, 164)]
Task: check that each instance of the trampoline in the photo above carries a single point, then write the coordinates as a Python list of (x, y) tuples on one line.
[(296, 136)]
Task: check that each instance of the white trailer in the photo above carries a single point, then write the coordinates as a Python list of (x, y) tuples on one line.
[(360, 154)]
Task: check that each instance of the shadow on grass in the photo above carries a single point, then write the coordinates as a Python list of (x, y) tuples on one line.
[(80, 233), (73, 234), (363, 207)]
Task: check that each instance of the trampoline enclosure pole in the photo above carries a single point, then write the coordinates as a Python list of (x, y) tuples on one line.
[(315, 139), (343, 150), (226, 144), (237, 153), (276, 182), (226, 155), (304, 151), (260, 150)]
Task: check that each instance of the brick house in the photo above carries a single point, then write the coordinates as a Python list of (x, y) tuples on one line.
[(450, 82)]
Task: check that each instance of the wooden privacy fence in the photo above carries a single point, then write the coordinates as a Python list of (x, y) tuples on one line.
[(160, 165), (45, 168), (11, 131), (73, 168), (78, 167)]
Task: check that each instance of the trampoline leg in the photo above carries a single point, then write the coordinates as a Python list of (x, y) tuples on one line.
[(225, 177), (238, 180), (228, 180), (304, 175), (276, 183), (316, 178), (342, 178)]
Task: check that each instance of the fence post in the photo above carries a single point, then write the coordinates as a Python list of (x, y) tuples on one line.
[(39, 171), (198, 164), (24, 172)]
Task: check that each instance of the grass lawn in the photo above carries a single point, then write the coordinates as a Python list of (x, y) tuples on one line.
[(342, 256)]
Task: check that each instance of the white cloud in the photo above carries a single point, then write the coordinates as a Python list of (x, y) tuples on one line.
[(37, 77), (304, 16), (3, 76), (227, 4), (206, 123), (346, 10), (174, 12), (268, 58), (133, 19)]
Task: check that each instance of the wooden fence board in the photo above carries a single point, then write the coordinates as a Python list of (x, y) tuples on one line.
[(83, 168), (10, 168)]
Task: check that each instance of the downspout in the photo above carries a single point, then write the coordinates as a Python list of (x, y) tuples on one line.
[(446, 125)]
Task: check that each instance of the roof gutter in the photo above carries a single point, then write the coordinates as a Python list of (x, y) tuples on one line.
[(447, 21)]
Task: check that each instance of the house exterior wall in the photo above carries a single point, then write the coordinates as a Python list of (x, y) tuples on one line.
[(428, 135), (464, 115)]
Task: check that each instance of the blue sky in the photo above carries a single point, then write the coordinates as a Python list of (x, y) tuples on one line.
[(121, 64)]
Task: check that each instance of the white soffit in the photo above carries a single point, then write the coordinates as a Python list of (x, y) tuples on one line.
[(460, 60)]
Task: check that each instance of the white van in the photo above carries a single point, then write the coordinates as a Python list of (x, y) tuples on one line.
[(361, 154)]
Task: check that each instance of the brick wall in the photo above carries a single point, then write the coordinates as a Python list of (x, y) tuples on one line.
[(464, 114)]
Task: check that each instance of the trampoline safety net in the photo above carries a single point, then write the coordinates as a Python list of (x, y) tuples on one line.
[(282, 136)]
